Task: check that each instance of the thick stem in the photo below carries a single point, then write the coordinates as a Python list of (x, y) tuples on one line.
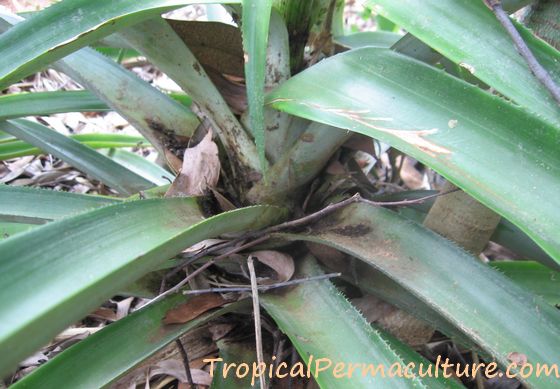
[(463, 220)]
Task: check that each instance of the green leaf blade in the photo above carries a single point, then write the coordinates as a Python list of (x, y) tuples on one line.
[(451, 126), (256, 22), (533, 276), (47, 103), (382, 39), (480, 302), (78, 155), (108, 354), (140, 166), (91, 256), (67, 26), (15, 148), (321, 323), (37, 206), (469, 34)]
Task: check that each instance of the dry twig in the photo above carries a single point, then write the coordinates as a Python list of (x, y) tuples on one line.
[(257, 316), (263, 288), (185, 358), (537, 69)]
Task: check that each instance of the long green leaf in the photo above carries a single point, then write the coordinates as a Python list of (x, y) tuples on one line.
[(67, 26), (37, 206), (277, 125), (321, 323), (46, 103), (499, 154), (468, 33), (154, 114), (14, 148), (255, 24), (78, 155), (480, 302), (53, 275), (16, 105), (111, 352), (151, 112)]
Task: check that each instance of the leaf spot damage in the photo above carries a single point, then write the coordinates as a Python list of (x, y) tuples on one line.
[(415, 138), (356, 230)]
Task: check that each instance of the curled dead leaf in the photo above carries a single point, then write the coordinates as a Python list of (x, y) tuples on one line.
[(200, 170), (193, 308), (282, 264)]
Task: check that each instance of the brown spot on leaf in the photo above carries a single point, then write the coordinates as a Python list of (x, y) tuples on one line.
[(416, 138), (307, 137), (155, 125), (352, 230)]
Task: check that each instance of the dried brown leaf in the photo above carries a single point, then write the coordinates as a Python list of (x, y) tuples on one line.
[(123, 307), (103, 313), (224, 203), (193, 308), (200, 171), (282, 264), (215, 45)]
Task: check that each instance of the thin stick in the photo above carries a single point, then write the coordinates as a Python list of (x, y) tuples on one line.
[(185, 358), (176, 288), (263, 288), (351, 200), (202, 253), (538, 71), (257, 315), (206, 266)]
